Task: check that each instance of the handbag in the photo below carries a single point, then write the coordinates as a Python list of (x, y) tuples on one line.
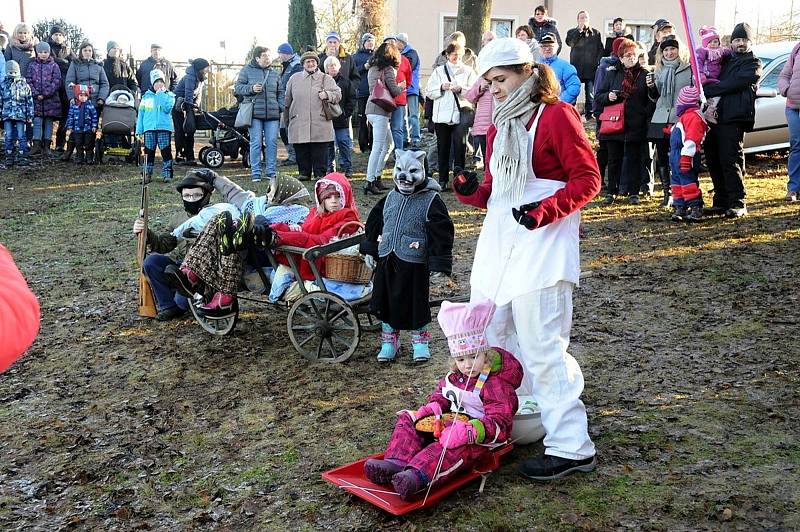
[(466, 115), (244, 116), (330, 109), (381, 96), (612, 119)]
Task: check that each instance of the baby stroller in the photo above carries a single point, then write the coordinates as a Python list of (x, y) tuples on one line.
[(118, 127), (226, 140)]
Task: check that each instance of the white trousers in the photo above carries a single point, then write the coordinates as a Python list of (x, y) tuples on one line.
[(535, 327)]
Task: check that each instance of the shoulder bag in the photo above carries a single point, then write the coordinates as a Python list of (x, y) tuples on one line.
[(381, 96), (331, 110), (466, 115)]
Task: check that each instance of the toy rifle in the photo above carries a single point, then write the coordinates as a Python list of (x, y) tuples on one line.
[(147, 306)]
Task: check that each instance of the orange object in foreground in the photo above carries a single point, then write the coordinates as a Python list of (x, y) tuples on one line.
[(19, 312)]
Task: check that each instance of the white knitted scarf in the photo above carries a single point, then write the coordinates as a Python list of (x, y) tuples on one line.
[(510, 148)]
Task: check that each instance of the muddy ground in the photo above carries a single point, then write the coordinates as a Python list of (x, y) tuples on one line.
[(687, 336)]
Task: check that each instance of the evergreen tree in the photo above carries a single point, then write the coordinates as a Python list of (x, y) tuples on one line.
[(302, 25)]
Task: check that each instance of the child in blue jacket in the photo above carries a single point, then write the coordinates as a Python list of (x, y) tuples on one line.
[(16, 107), (155, 123), (82, 124)]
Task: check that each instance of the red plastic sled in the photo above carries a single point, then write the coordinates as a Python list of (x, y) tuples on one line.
[(351, 478)]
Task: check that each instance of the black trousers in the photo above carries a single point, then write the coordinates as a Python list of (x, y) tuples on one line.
[(725, 159), (61, 132), (624, 166), (480, 142), (84, 144), (184, 141), (446, 134), (662, 161), (364, 129), (312, 157)]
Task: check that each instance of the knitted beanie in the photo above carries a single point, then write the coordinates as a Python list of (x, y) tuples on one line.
[(688, 95), (110, 45), (309, 55), (742, 31), (333, 35), (708, 34), (285, 48), (42, 47)]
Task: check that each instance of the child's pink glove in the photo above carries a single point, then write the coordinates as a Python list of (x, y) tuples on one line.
[(458, 434), (431, 409)]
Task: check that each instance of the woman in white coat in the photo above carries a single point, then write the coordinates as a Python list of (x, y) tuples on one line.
[(447, 87)]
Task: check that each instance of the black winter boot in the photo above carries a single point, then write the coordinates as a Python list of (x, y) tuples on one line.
[(67, 155)]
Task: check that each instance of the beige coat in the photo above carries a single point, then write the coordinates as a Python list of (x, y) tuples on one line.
[(303, 110)]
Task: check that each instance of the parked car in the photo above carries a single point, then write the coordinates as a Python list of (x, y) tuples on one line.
[(770, 131)]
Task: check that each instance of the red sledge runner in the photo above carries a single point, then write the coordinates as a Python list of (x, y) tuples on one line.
[(351, 478)]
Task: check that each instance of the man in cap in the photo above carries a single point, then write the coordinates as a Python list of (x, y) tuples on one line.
[(412, 91), (661, 28), (156, 61), (334, 48), (290, 62), (360, 58), (565, 73), (724, 142)]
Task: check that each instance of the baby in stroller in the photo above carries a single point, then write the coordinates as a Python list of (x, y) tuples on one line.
[(118, 126)]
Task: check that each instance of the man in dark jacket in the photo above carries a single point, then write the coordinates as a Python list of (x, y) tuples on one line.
[(341, 124), (291, 65), (661, 29), (736, 115), (118, 72), (63, 56), (360, 59), (617, 31), (156, 61), (541, 25), (188, 94), (586, 49), (334, 48)]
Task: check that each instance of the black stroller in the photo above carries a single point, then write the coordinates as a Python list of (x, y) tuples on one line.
[(226, 140)]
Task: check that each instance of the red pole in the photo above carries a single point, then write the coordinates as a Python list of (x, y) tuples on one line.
[(22, 10), (690, 43)]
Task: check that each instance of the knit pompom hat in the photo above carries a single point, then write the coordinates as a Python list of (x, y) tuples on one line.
[(688, 96), (708, 34)]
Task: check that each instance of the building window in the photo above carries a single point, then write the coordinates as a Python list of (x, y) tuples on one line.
[(642, 30), (501, 27)]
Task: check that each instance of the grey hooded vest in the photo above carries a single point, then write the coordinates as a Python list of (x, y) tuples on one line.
[(404, 220)]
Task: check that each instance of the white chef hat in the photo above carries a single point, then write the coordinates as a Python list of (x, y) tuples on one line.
[(503, 52)]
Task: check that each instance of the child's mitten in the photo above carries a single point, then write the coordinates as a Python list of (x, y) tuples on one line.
[(459, 434)]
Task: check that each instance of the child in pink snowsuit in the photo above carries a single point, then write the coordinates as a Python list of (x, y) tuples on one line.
[(482, 384), (709, 64)]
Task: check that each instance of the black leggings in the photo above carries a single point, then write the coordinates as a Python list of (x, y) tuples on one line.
[(445, 134)]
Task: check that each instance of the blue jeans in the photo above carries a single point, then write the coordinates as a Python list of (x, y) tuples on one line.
[(15, 131), (43, 125), (398, 126), (588, 94), (344, 143), (263, 132), (413, 118), (793, 119), (166, 297)]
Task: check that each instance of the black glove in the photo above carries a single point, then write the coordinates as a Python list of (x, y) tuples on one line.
[(263, 235), (523, 218), (465, 183)]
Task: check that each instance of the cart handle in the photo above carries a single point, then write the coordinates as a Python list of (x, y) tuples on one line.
[(348, 224), (315, 252)]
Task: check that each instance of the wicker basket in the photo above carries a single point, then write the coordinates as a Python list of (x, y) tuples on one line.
[(347, 268)]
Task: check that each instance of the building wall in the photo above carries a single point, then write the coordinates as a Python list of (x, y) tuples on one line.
[(423, 20)]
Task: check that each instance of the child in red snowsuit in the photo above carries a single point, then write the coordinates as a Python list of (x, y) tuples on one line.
[(686, 139), (482, 384)]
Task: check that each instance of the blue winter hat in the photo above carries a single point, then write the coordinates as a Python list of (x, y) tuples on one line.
[(42, 46), (285, 48), (333, 35), (156, 75)]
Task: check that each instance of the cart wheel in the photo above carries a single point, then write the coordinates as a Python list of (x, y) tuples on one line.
[(215, 326), (98, 151), (203, 151), (323, 327), (212, 158)]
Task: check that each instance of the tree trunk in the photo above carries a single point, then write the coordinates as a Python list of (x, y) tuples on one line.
[(474, 17), (302, 25), (373, 18)]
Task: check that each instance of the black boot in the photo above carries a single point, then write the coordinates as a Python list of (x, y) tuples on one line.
[(663, 175), (36, 147), (67, 155), (371, 188)]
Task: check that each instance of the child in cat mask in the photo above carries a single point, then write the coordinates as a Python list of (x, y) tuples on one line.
[(410, 234)]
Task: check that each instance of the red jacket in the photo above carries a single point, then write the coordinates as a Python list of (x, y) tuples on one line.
[(19, 312), (499, 395), (319, 227), (561, 152), (403, 74)]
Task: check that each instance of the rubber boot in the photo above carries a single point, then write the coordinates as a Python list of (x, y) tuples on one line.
[(67, 155), (663, 175), (419, 341), (46, 153), (390, 343), (36, 147), (79, 156)]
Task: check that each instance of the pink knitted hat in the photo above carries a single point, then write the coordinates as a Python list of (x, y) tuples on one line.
[(464, 325), (688, 96), (708, 34)]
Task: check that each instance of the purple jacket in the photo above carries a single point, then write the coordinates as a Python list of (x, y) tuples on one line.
[(789, 79), (44, 77), (484, 101), (710, 69)]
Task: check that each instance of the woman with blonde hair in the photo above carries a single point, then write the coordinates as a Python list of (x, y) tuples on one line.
[(540, 170), (21, 47)]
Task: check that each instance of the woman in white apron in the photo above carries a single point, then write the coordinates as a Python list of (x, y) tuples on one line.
[(540, 171)]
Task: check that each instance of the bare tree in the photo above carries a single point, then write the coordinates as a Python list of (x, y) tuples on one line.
[(473, 20), (337, 15), (372, 17)]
